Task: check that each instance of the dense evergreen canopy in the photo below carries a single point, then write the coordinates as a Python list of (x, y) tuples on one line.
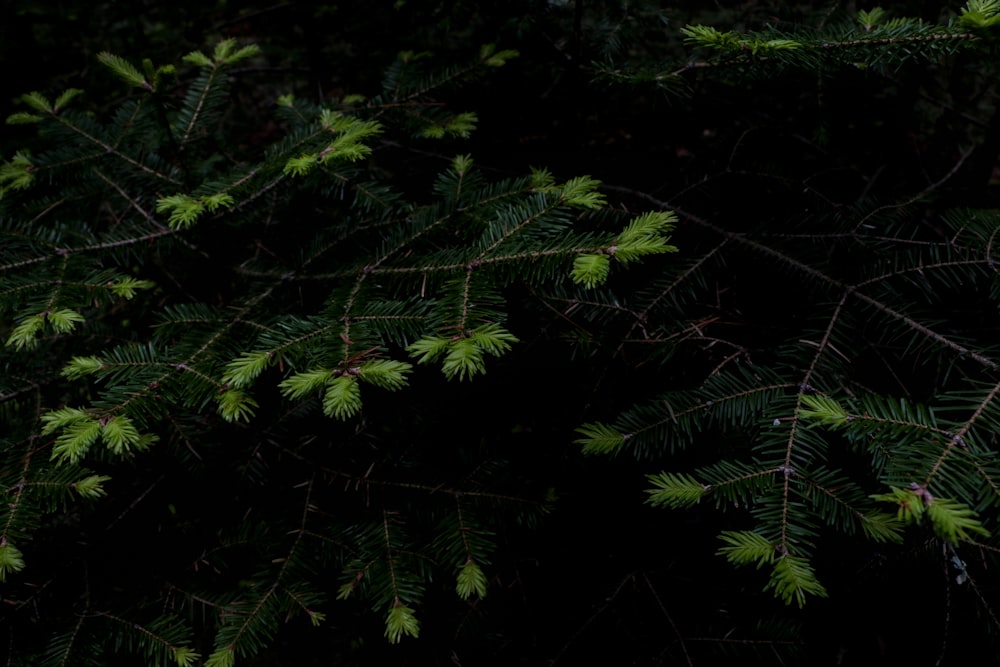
[(499, 333)]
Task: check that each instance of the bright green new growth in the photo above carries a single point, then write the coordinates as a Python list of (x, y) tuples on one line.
[(184, 656), (730, 42), (385, 277), (11, 561), (980, 14), (590, 270), (581, 191), (870, 19), (38, 102), (342, 392), (342, 398), (92, 486), (222, 657), (81, 429), (185, 210), (600, 439), (148, 80), (225, 53), (471, 580), (400, 622), (25, 335), (464, 355), (792, 579), (236, 405), (315, 332), (124, 70), (75, 441), (119, 433), (460, 125), (745, 547), (951, 520), (302, 384), (807, 428), (243, 371), (675, 490), (823, 410), (128, 287), (385, 373), (17, 173), (644, 236), (347, 144), (493, 58)]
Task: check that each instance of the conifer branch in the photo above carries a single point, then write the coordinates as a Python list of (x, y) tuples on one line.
[(833, 283), (169, 648), (194, 115), (643, 315), (293, 283), (958, 438), (928, 333), (107, 148), (14, 505), (66, 652)]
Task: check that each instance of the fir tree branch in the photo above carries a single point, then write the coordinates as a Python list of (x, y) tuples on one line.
[(167, 646), (957, 440), (643, 315), (14, 505), (113, 150), (475, 263), (67, 650), (199, 106), (133, 203), (824, 278), (368, 480)]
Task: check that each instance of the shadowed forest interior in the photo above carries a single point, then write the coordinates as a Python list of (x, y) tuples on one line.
[(513, 332)]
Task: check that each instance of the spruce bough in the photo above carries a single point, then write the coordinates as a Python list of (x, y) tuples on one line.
[(896, 448), (263, 329), (161, 293)]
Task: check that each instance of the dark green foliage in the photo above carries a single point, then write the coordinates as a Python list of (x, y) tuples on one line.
[(292, 378), (307, 274), (866, 372)]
